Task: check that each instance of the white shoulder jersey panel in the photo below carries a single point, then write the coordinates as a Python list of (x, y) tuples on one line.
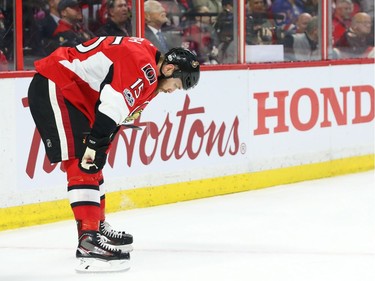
[(93, 70)]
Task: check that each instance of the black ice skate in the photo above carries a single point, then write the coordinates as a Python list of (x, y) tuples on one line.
[(118, 239), (97, 255)]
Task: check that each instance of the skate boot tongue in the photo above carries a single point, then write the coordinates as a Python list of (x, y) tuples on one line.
[(116, 237)]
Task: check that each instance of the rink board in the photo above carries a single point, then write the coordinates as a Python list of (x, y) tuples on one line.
[(237, 130)]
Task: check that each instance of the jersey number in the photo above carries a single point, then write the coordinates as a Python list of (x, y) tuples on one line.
[(116, 41)]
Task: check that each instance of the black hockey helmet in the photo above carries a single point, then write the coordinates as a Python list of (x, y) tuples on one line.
[(188, 66)]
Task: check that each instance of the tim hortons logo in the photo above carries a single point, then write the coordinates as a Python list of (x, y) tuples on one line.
[(190, 141), (321, 104)]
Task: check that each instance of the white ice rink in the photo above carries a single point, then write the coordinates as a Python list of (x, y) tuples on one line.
[(321, 230)]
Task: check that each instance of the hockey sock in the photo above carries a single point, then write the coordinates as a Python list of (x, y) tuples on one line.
[(84, 196), (102, 198)]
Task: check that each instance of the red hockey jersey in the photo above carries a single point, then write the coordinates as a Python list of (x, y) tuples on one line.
[(119, 72)]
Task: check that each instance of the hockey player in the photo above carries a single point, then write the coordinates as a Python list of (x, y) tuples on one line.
[(79, 98)]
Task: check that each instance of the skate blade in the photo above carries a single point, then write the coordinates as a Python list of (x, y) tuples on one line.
[(97, 265), (124, 248)]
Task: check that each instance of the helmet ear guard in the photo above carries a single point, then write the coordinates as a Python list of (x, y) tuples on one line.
[(188, 69)]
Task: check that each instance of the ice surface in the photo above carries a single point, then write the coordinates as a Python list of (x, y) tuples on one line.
[(322, 230)]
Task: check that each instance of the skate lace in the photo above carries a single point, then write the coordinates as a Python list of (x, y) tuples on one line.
[(103, 242), (110, 232)]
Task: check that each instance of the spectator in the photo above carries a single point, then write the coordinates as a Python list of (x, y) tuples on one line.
[(3, 47), (118, 21), (224, 30), (367, 6), (288, 12), (201, 37), (302, 21), (341, 18), (260, 27), (256, 6), (70, 30), (49, 22), (155, 19), (46, 23), (224, 23), (303, 46), (357, 41), (102, 12), (214, 6), (299, 27), (3, 62)]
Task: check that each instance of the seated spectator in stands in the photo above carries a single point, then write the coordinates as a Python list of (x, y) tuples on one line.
[(3, 62), (367, 6), (224, 30), (341, 18), (155, 20), (299, 27), (214, 6), (224, 23), (46, 25), (260, 26), (288, 12), (3, 44), (118, 21), (301, 23), (357, 41), (303, 46), (70, 30), (102, 12), (49, 22), (200, 36)]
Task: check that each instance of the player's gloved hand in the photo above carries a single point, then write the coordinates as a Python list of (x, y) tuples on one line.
[(95, 155)]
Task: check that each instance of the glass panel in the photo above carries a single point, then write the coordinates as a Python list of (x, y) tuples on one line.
[(275, 30), (207, 30), (6, 36), (352, 29), (282, 30)]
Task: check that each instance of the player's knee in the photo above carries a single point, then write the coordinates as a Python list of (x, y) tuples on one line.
[(75, 176)]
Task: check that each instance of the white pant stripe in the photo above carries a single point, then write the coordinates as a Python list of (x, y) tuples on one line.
[(59, 121)]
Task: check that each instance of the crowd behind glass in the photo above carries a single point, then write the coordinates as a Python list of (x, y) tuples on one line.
[(276, 30)]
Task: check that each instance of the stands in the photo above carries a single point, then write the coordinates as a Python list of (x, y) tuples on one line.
[(215, 33)]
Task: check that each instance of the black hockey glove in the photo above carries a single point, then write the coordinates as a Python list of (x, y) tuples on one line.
[(95, 156)]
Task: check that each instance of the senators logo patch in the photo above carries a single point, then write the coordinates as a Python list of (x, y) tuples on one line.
[(150, 73)]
